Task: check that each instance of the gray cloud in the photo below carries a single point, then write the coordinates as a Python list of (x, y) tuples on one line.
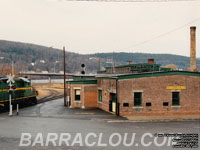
[(88, 27)]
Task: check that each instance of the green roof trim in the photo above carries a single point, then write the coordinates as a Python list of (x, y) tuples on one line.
[(165, 69), (113, 78), (138, 75), (155, 74), (83, 82)]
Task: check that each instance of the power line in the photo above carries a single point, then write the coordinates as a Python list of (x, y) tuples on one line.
[(161, 35), (146, 1)]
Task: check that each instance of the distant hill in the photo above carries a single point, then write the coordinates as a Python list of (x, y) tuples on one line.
[(25, 55), (163, 59)]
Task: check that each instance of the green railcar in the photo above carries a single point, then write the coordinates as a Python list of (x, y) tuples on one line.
[(22, 93)]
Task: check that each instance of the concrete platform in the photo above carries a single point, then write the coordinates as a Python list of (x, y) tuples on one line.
[(165, 117)]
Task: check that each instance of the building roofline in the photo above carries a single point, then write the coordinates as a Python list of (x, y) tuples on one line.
[(83, 82), (135, 75), (147, 74), (154, 74)]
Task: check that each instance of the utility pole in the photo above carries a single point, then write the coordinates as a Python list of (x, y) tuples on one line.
[(113, 66), (12, 68), (64, 76), (99, 64)]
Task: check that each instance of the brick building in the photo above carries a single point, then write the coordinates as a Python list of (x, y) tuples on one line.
[(83, 93), (146, 88), (134, 68), (141, 93)]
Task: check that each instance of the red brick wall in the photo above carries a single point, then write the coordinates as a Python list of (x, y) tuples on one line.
[(154, 91), (88, 95), (107, 86), (76, 104)]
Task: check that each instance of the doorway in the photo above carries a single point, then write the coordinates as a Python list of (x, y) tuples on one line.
[(112, 102)]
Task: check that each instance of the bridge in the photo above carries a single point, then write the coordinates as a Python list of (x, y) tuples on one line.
[(50, 75)]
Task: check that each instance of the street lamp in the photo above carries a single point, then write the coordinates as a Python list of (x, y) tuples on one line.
[(11, 62)]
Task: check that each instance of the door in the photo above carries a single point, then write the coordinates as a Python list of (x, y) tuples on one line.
[(113, 102)]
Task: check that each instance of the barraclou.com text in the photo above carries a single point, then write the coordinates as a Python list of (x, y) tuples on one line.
[(92, 139)]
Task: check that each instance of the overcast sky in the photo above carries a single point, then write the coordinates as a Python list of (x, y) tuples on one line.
[(90, 27)]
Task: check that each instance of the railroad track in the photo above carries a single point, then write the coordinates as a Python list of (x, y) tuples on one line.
[(52, 96)]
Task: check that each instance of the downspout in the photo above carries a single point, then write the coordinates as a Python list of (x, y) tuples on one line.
[(117, 104), (83, 102), (64, 69), (70, 95)]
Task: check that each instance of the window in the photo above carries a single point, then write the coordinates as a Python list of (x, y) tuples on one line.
[(138, 99), (100, 95), (175, 98), (77, 94), (148, 104), (165, 103), (125, 104)]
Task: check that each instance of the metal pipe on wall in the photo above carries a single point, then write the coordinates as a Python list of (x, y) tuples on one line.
[(64, 76)]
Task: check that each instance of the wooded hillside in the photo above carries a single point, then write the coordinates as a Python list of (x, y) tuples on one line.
[(31, 57)]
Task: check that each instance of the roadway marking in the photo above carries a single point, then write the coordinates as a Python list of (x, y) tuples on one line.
[(132, 121), (99, 120), (2, 118), (84, 113), (126, 121), (92, 114)]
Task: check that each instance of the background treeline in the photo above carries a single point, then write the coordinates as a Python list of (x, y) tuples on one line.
[(44, 58), (24, 55)]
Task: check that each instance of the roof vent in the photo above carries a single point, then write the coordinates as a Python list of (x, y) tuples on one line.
[(151, 61)]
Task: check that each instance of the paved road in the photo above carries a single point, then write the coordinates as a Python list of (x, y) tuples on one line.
[(53, 117)]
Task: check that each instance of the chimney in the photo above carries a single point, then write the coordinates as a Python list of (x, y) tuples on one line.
[(129, 62), (193, 66), (151, 61)]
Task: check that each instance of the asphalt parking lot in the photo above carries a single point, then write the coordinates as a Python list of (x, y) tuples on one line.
[(53, 117)]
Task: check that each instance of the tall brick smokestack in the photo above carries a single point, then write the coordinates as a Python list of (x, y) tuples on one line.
[(193, 66)]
